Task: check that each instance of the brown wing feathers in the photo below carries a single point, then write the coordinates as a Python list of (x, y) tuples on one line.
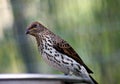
[(63, 47)]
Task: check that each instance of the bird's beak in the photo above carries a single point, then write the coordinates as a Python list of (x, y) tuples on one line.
[(27, 32)]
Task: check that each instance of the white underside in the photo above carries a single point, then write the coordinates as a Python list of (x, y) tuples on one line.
[(65, 68)]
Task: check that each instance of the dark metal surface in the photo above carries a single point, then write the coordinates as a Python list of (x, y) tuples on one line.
[(39, 78)]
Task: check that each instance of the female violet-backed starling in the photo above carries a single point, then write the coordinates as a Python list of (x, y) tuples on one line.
[(58, 53)]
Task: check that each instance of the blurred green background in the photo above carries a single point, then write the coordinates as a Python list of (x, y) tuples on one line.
[(92, 27)]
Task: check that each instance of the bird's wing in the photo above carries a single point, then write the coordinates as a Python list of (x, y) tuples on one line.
[(64, 48)]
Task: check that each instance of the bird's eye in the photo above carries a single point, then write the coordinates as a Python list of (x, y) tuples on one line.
[(34, 26)]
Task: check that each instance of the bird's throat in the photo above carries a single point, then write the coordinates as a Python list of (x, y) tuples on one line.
[(38, 39)]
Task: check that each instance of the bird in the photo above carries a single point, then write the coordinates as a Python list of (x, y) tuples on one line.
[(58, 53)]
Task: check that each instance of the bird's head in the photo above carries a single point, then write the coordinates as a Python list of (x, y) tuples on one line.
[(35, 28)]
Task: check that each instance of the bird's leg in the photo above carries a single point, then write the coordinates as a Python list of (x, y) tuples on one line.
[(69, 74), (65, 74)]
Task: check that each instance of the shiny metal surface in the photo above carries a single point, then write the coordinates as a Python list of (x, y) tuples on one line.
[(40, 78)]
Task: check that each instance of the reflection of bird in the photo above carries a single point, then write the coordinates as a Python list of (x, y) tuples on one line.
[(57, 52)]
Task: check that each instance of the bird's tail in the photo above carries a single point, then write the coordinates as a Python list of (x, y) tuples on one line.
[(90, 78), (93, 80)]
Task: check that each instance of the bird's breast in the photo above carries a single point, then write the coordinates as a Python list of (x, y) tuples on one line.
[(56, 59)]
